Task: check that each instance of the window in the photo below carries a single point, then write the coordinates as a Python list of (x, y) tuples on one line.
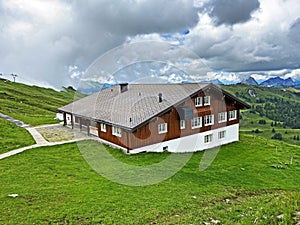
[(208, 120), (206, 100), (221, 134), (182, 124), (222, 117), (208, 138), (103, 127), (77, 120), (232, 115), (196, 122), (117, 131), (162, 128), (198, 101)]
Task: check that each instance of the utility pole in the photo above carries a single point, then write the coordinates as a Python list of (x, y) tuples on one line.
[(14, 76)]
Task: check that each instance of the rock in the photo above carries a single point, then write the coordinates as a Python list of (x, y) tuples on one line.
[(297, 213), (280, 216), (13, 195), (255, 221), (214, 221), (194, 197)]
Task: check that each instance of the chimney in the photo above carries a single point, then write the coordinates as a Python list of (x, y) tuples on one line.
[(123, 87), (160, 97)]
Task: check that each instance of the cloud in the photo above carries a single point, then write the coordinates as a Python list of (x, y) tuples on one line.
[(259, 44), (231, 12), (40, 40), (56, 40)]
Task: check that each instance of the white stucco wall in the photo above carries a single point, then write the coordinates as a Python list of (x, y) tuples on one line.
[(194, 142)]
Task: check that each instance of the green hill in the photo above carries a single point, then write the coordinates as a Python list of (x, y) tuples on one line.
[(31, 104), (274, 112)]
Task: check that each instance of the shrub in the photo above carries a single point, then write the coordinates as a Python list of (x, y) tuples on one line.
[(277, 136)]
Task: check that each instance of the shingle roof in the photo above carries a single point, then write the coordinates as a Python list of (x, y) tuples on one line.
[(134, 106)]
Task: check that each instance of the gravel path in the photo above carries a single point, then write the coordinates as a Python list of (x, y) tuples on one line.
[(55, 134)]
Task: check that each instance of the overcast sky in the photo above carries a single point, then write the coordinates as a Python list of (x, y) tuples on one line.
[(54, 42)]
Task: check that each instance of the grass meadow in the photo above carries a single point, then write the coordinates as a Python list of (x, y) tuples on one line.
[(249, 182), (13, 137)]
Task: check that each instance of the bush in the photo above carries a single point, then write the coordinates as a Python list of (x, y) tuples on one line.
[(262, 122), (277, 136)]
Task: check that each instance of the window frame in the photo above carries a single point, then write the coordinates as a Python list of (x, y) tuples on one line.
[(204, 100), (182, 124), (162, 128), (208, 138), (103, 127), (211, 119), (116, 131), (198, 118), (197, 103), (225, 117), (221, 134), (235, 115)]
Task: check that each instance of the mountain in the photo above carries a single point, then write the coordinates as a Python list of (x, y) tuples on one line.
[(278, 82), (89, 87), (215, 81), (249, 81)]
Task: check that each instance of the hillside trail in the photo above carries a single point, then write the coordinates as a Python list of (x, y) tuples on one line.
[(39, 139)]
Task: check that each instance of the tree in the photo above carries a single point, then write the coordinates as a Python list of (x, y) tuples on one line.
[(277, 136), (257, 131), (272, 124), (262, 122), (273, 130), (297, 137)]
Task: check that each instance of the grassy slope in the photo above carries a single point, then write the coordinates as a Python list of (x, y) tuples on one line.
[(248, 181), (250, 121), (31, 104), (13, 137)]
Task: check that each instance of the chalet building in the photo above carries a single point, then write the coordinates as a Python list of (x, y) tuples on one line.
[(158, 117)]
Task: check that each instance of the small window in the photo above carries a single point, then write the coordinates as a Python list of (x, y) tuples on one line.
[(103, 127), (232, 115), (182, 124), (222, 117), (116, 131), (196, 122), (208, 120), (198, 101), (208, 138), (77, 120), (206, 100), (162, 128), (221, 134)]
